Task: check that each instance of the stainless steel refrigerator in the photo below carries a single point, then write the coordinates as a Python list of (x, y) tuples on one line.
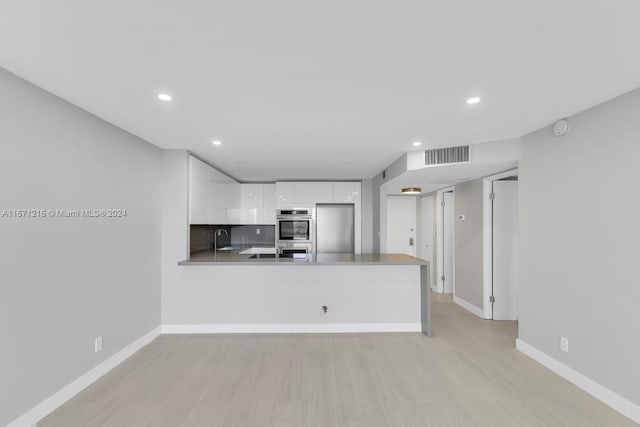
[(334, 228)]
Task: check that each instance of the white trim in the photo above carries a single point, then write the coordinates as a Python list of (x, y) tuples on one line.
[(440, 240), (487, 255), (44, 408), (468, 306), (614, 400), (487, 236), (289, 328)]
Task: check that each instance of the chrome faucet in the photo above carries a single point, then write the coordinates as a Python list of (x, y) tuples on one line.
[(216, 233)]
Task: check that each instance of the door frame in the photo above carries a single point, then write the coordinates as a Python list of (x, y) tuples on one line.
[(440, 240), (487, 239)]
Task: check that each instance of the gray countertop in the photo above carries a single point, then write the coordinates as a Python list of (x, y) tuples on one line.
[(209, 258)]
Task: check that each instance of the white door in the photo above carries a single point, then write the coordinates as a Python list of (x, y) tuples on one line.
[(447, 242), (505, 245), (426, 228), (401, 225)]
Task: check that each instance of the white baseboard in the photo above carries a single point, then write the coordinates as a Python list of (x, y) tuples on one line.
[(614, 400), (44, 408), (290, 328), (468, 306)]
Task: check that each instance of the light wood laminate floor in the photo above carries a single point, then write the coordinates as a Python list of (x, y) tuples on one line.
[(467, 374)]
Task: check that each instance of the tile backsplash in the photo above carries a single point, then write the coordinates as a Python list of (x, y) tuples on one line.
[(202, 236)]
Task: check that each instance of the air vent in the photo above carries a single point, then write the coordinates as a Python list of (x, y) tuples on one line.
[(445, 156)]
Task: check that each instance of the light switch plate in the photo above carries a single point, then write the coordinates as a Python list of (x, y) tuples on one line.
[(97, 346)]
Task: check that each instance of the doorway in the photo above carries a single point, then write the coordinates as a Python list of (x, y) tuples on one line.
[(501, 246), (446, 241), (401, 225)]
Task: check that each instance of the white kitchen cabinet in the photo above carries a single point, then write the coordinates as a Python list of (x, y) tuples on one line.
[(322, 192), (214, 198), (257, 204), (285, 193), (198, 196), (269, 203), (251, 204), (294, 194), (303, 192), (345, 192)]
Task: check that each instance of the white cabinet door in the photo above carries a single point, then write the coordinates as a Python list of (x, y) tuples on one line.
[(198, 197), (322, 192), (269, 203), (251, 204), (344, 192), (284, 193), (225, 203), (303, 192)]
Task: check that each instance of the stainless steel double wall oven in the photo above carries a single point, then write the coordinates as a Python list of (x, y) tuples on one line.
[(294, 232)]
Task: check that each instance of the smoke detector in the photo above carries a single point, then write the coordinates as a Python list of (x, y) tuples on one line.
[(561, 127)]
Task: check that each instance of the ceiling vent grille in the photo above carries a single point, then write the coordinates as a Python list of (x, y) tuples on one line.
[(446, 156)]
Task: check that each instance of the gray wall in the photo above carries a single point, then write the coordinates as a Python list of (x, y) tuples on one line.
[(579, 234), (379, 200), (367, 215), (468, 238), (65, 281)]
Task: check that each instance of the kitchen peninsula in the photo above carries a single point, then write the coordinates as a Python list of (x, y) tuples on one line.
[(231, 292), (236, 277)]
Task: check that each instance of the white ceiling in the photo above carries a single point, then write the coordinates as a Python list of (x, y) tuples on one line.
[(327, 89)]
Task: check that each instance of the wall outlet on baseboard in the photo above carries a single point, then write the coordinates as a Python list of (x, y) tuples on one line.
[(564, 344), (324, 311), (97, 345)]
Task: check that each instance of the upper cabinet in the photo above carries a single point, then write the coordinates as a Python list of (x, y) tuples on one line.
[(303, 192), (291, 194), (269, 203), (307, 194), (323, 192), (346, 192), (218, 199), (251, 204), (213, 196), (257, 204)]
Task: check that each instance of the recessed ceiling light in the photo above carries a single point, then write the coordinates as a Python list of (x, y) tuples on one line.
[(216, 142), (165, 97), (473, 100), (417, 144)]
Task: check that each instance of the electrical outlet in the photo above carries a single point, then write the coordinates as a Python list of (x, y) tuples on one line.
[(564, 344), (324, 311), (97, 345), (257, 231)]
